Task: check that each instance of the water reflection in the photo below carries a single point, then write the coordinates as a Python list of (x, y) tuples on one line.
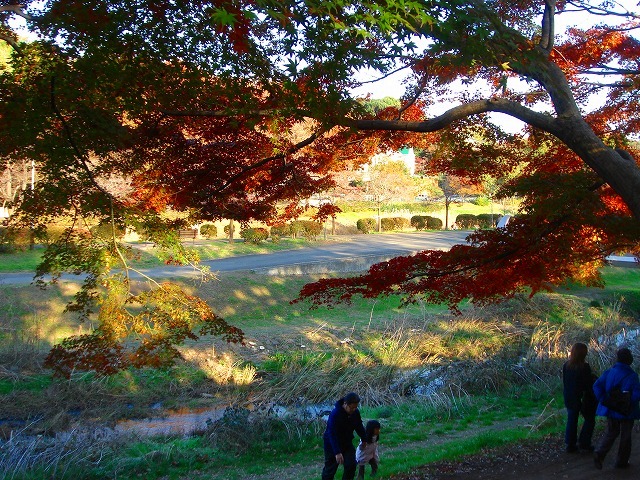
[(177, 423)]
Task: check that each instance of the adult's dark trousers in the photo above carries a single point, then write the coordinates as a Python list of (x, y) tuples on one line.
[(571, 431), (616, 427), (331, 466)]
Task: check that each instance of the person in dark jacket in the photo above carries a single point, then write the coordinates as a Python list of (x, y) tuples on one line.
[(577, 381), (343, 420), (623, 376)]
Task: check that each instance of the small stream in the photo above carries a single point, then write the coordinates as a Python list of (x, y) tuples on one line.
[(183, 423), (172, 423)]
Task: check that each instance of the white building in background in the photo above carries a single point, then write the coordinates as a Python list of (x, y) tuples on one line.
[(404, 155)]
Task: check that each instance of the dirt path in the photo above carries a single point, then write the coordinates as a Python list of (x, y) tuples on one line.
[(543, 460)]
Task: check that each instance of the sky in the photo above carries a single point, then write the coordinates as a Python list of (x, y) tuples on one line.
[(392, 86)]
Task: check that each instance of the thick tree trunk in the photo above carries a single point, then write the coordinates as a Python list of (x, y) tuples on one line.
[(619, 170)]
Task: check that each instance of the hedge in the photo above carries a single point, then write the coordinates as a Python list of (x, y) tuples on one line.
[(254, 235), (306, 228), (466, 221), (12, 239), (421, 222), (366, 225), (487, 220), (209, 230), (394, 223), (433, 223), (280, 230)]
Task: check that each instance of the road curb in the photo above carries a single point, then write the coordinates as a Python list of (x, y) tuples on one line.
[(345, 265)]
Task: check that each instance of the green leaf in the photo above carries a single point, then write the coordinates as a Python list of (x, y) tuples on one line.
[(223, 17)]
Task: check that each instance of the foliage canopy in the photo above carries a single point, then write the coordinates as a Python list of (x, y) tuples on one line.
[(198, 106)]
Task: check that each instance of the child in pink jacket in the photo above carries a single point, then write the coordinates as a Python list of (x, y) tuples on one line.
[(368, 452)]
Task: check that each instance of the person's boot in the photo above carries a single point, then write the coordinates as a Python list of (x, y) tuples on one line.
[(374, 468), (360, 472), (597, 460)]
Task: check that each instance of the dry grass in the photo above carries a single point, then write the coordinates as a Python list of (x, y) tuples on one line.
[(294, 355), (224, 369), (48, 457), (240, 431)]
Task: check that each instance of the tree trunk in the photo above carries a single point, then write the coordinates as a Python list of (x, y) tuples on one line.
[(617, 168), (446, 214), (231, 231)]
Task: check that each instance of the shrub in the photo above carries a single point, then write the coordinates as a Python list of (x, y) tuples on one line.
[(311, 229), (433, 223), (6, 241), (403, 223), (466, 220), (366, 225), (487, 220), (254, 235), (295, 228), (481, 201), (306, 228), (394, 223), (54, 232), (387, 224), (209, 230), (280, 230), (419, 222)]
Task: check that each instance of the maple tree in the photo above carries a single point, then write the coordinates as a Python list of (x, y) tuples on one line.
[(452, 188), (194, 102), (387, 181)]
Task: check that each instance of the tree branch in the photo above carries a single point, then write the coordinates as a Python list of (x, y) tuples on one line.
[(500, 105), (598, 10), (608, 70), (11, 41), (17, 9), (414, 98), (548, 29), (308, 141)]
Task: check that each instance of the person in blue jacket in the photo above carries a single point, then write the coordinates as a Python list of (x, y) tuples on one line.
[(622, 375), (343, 420)]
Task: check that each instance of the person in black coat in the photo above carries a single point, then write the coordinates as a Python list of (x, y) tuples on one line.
[(577, 381), (343, 420)]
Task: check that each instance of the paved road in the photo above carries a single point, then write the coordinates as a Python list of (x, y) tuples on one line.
[(355, 253)]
